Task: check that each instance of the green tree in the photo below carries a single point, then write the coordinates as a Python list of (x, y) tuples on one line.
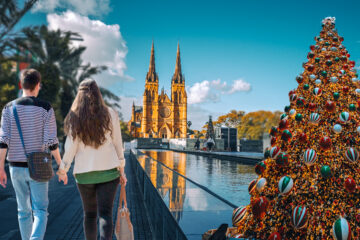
[(8, 87)]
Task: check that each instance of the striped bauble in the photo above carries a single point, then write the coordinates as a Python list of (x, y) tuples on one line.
[(344, 117), (274, 152), (352, 154), (252, 186), (314, 118), (341, 229), (299, 217), (285, 185), (310, 157), (238, 216)]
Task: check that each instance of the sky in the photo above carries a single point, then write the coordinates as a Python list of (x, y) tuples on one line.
[(241, 55)]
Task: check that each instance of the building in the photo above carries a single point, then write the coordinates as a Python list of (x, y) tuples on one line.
[(223, 133), (161, 116)]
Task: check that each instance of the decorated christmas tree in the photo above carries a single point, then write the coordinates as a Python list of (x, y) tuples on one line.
[(307, 184)]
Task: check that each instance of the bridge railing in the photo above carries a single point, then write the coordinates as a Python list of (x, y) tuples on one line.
[(163, 223)]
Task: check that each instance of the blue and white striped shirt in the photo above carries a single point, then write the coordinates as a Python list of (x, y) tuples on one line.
[(38, 124)]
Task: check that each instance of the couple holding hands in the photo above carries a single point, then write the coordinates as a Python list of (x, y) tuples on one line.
[(93, 139)]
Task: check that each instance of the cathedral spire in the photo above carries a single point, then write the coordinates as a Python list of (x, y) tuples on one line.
[(152, 59), (178, 61)]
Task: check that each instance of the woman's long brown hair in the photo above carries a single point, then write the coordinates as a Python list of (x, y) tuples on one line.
[(89, 117)]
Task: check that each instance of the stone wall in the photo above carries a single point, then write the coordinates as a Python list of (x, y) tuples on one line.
[(251, 146), (189, 143)]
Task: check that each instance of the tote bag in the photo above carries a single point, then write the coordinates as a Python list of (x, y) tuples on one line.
[(123, 229)]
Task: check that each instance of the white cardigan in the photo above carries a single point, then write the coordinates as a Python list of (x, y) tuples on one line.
[(87, 159)]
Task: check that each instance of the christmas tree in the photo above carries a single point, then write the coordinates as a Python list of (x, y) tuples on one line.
[(307, 184)]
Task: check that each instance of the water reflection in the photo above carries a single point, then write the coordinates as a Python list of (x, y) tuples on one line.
[(226, 178)]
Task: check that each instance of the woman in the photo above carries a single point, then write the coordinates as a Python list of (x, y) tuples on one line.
[(94, 139)]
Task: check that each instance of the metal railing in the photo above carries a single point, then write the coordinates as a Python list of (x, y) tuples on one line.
[(163, 224)]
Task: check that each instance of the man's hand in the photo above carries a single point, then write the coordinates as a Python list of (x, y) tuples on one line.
[(62, 177), (3, 177)]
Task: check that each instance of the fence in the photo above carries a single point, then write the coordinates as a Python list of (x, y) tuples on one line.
[(164, 225)]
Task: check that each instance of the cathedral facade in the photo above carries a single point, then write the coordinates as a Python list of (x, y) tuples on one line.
[(161, 116)]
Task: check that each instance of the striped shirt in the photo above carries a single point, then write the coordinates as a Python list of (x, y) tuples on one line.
[(38, 125)]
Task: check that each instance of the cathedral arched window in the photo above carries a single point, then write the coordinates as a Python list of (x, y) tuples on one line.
[(175, 97), (180, 99)]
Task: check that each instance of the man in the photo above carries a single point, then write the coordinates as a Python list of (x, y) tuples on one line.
[(37, 120)]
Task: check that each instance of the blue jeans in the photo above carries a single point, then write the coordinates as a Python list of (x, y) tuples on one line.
[(32, 201)]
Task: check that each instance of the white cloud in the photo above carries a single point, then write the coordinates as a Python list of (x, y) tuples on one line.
[(84, 7), (201, 92), (240, 85), (104, 44), (210, 91)]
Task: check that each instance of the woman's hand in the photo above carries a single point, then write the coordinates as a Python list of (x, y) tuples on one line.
[(123, 179), (62, 176)]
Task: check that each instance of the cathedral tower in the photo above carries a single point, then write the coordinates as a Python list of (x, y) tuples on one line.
[(179, 100), (150, 100)]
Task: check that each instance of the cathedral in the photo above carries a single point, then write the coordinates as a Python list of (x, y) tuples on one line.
[(161, 116)]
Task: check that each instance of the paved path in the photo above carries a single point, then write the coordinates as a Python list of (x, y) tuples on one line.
[(65, 211)]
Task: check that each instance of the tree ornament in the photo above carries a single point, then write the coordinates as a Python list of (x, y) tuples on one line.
[(299, 217), (317, 81), (352, 154), (352, 107), (238, 216), (325, 171), (293, 97), (314, 118), (273, 131), (286, 135), (350, 184), (357, 91), (252, 186), (336, 95), (344, 117), (312, 76), (259, 207), (355, 80), (298, 117), (274, 152), (323, 73), (334, 79), (310, 68), (337, 59), (310, 55), (282, 159), (317, 92), (285, 185), (325, 143), (283, 116), (283, 124), (312, 106), (287, 108), (260, 167), (330, 106), (341, 229), (260, 185), (317, 60), (292, 112), (300, 102), (273, 141), (337, 128), (358, 129), (309, 157), (329, 62), (306, 86), (299, 79), (345, 89), (275, 236)]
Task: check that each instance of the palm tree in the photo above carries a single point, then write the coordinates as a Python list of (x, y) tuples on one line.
[(60, 65)]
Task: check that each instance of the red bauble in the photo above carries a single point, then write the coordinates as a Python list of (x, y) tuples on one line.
[(350, 184), (291, 92), (312, 106), (302, 137), (283, 124), (325, 143), (310, 68), (259, 207), (274, 131), (345, 89), (327, 56), (312, 47), (330, 106), (352, 63), (345, 67), (275, 236)]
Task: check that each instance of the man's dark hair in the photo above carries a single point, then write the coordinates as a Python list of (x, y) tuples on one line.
[(29, 79)]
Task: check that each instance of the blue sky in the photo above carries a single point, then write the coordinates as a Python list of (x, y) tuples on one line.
[(260, 43)]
